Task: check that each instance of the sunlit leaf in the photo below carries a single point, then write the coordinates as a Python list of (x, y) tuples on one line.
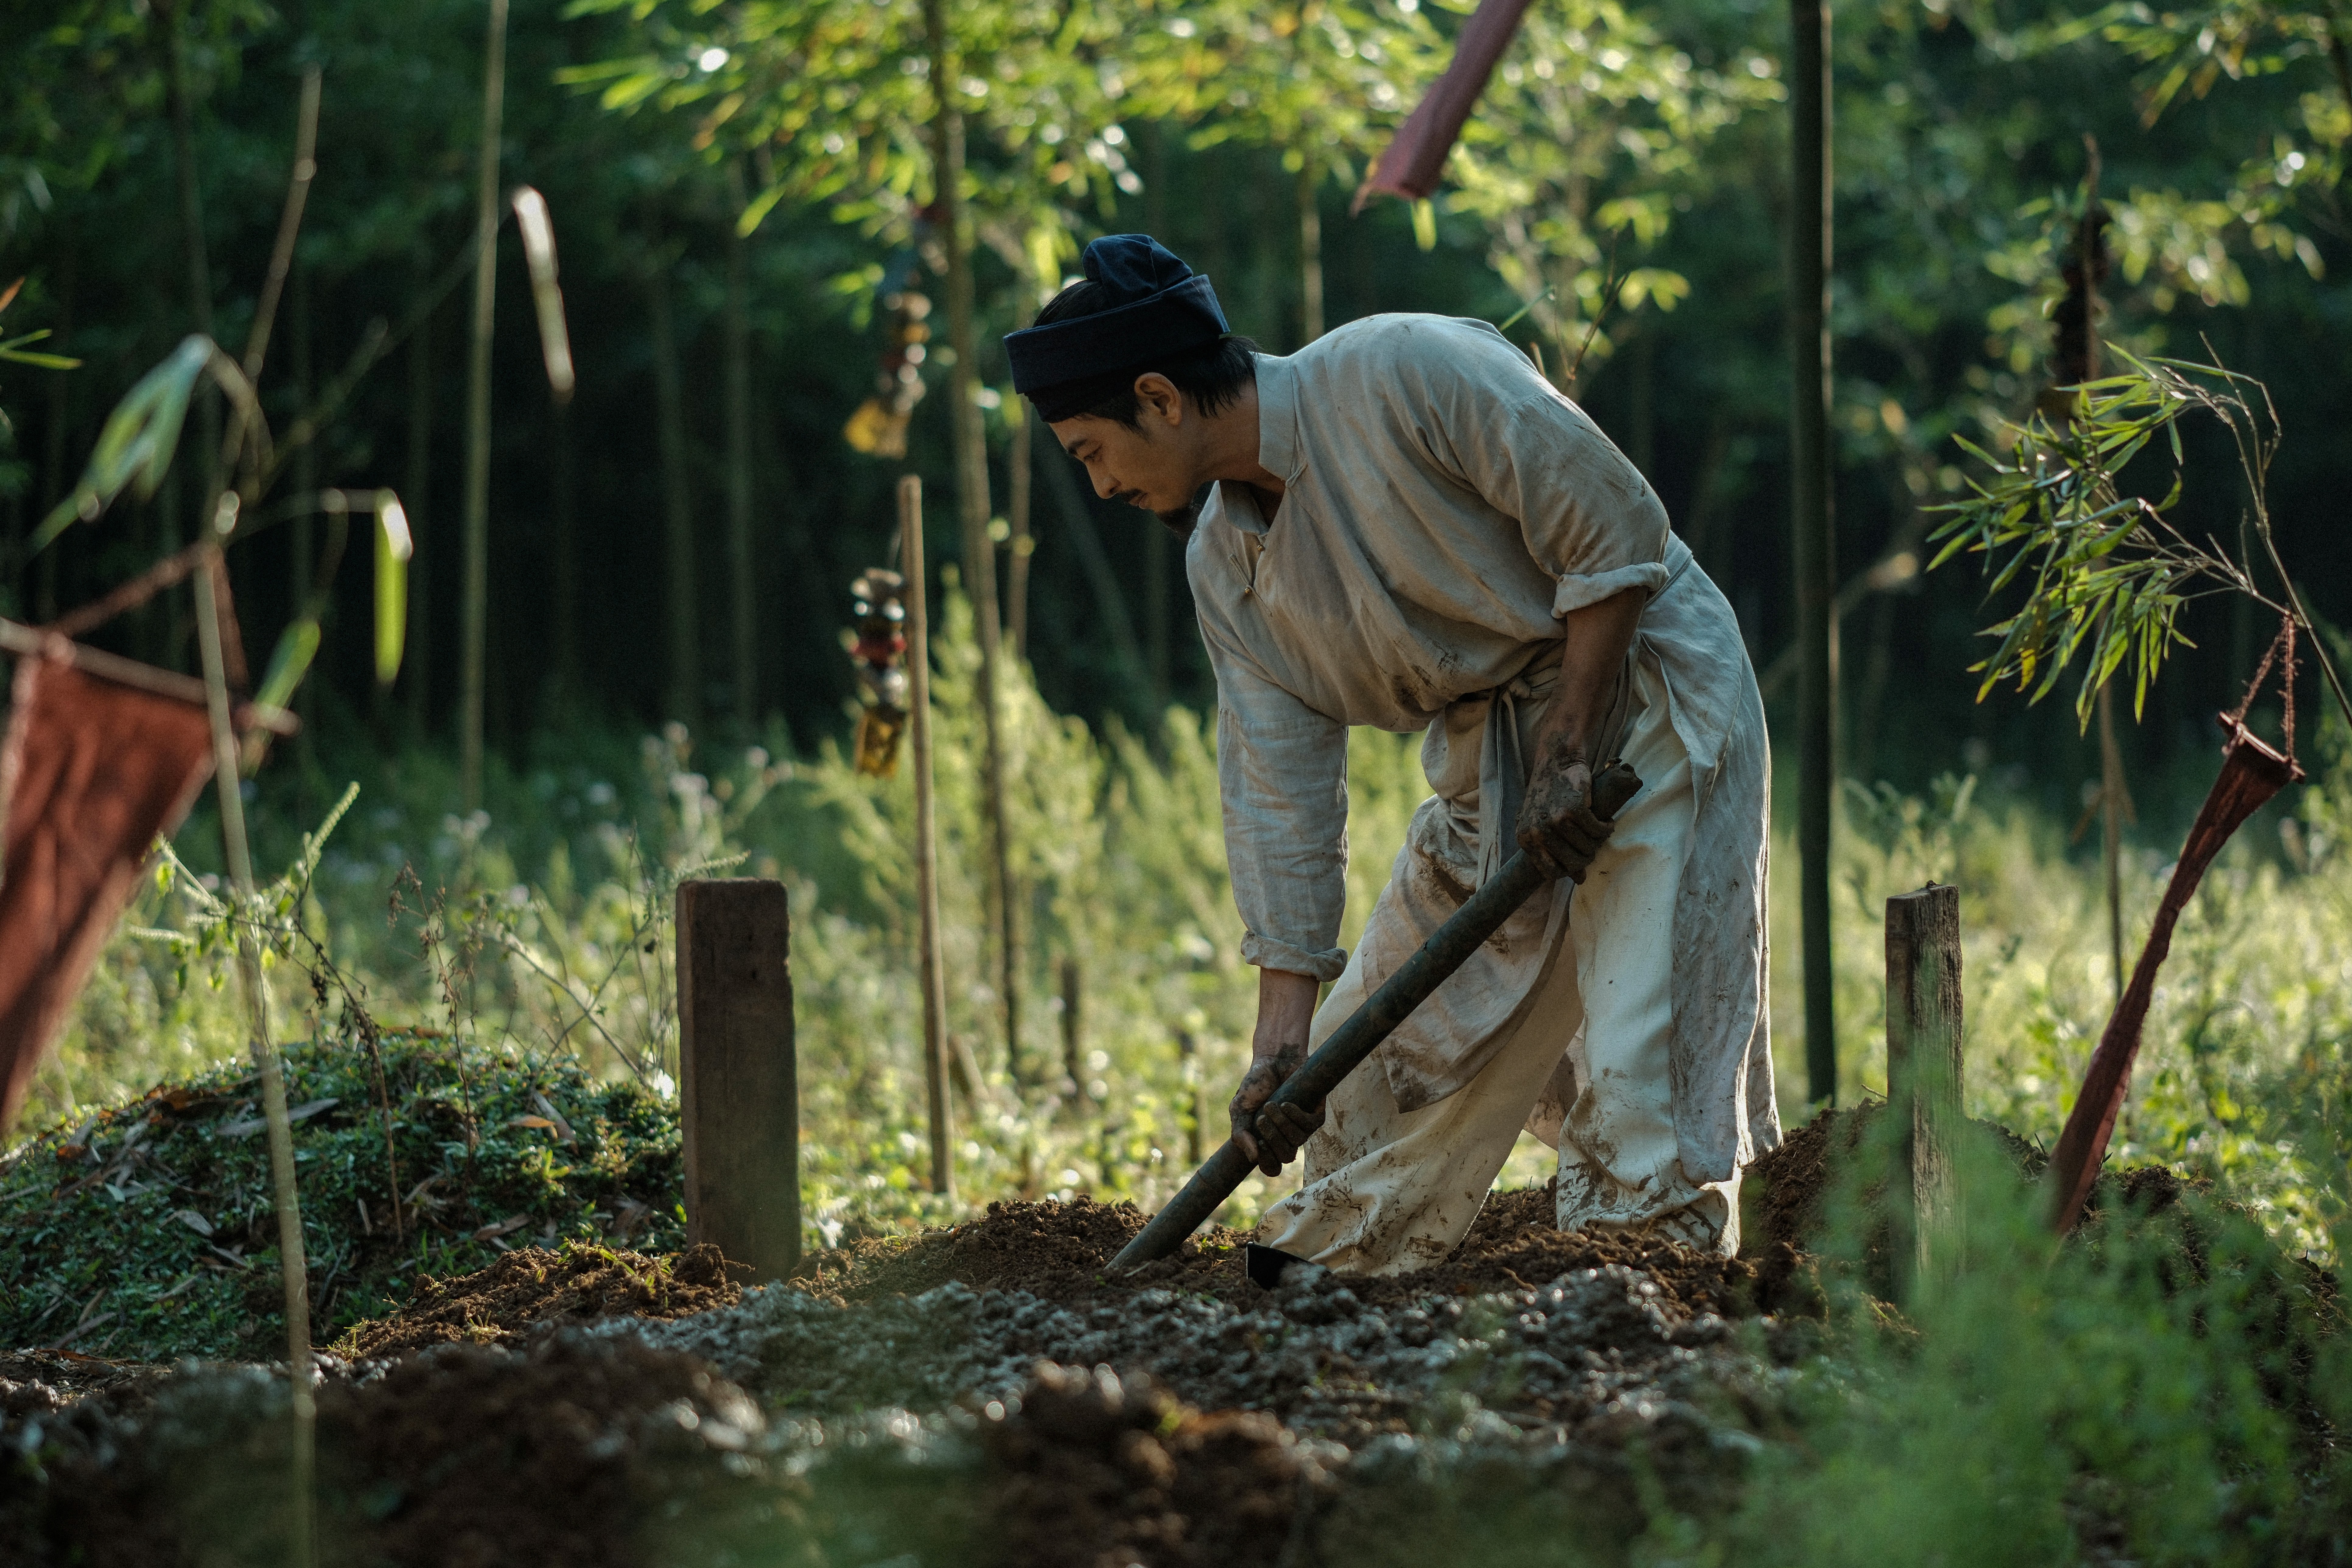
[(296, 646), (136, 445), (394, 547)]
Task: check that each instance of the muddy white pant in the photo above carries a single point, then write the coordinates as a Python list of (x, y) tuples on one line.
[(1584, 1067)]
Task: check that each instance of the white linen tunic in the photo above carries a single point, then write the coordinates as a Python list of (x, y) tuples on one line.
[(1443, 507)]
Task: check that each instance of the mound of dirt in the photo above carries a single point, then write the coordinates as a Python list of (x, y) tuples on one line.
[(1060, 1252), (531, 1290), (1784, 1199)]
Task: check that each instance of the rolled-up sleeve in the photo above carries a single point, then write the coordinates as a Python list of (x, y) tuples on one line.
[(1578, 589), (1282, 769)]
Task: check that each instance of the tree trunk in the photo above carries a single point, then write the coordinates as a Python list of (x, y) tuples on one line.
[(302, 544), (1640, 414), (1815, 556), (972, 505), (415, 499), (744, 582), (1310, 253), (926, 863), (55, 482), (677, 509), (1016, 507), (200, 283), (1020, 481), (564, 495), (476, 603)]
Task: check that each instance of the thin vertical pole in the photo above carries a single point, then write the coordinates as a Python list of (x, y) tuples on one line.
[(415, 499), (292, 1265), (927, 854), (1815, 556), (1073, 1027), (972, 507), (477, 606), (1310, 253), (685, 683), (2112, 797), (739, 462)]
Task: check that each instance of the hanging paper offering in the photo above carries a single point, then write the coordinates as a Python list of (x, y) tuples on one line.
[(877, 646)]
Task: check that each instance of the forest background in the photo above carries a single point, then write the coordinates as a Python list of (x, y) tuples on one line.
[(747, 185)]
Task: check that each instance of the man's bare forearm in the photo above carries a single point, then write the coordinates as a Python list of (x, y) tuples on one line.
[(1593, 650), (1285, 1010), (1557, 825)]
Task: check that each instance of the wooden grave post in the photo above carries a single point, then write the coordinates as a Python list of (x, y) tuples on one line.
[(738, 1087), (1924, 1065)]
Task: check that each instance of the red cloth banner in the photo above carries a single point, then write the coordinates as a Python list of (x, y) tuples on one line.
[(2250, 773), (91, 773)]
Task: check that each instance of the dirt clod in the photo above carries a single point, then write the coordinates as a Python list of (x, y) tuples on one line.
[(1102, 1471)]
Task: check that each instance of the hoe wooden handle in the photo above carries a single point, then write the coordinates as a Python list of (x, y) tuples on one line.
[(1479, 917)]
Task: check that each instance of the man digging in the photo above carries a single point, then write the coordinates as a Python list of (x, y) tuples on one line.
[(1406, 526)]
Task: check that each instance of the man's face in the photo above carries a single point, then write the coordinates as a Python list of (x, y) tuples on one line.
[(1154, 466)]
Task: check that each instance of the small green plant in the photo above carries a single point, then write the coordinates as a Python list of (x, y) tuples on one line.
[(2106, 569)]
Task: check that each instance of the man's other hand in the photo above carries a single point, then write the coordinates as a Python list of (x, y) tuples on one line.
[(1272, 1137), (1558, 826)]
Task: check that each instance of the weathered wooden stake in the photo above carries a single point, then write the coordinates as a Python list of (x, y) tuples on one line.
[(739, 1086), (1924, 1059), (927, 849)]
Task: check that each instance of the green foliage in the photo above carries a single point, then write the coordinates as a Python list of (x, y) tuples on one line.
[(136, 445), (1596, 127), (2131, 1393), (2107, 572), (147, 1228)]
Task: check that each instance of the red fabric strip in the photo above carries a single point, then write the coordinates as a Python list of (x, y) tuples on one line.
[(91, 773)]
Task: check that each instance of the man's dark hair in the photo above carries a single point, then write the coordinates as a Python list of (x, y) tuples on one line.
[(1211, 375)]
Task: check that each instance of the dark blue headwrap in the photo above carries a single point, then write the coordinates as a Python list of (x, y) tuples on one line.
[(1160, 308)]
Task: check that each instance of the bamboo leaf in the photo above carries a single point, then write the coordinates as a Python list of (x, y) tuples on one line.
[(136, 445), (296, 646), (394, 547)]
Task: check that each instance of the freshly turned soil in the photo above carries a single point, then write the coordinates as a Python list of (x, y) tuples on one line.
[(1101, 1472), (531, 1289), (1062, 1252)]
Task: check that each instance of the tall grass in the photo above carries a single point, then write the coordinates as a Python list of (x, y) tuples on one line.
[(542, 922)]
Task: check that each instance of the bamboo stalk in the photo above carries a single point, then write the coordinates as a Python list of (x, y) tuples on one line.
[(415, 499), (685, 625), (738, 461), (1816, 559), (2111, 835), (1310, 253), (972, 505), (292, 1264), (474, 654), (927, 853), (182, 113)]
